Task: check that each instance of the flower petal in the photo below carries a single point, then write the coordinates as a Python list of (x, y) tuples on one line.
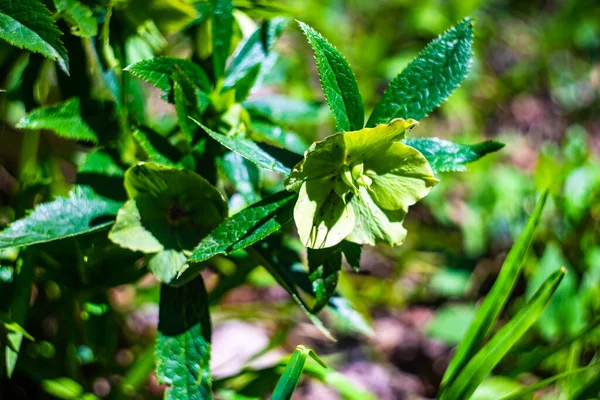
[(371, 141), (401, 177), (322, 159), (322, 218), (373, 224)]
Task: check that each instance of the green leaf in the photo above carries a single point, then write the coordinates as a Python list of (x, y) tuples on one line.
[(253, 51), (160, 72), (79, 16), (64, 119), (352, 253), (482, 363), (159, 149), (169, 211), (450, 323), (275, 135), (28, 24), (284, 110), (82, 212), (63, 388), (250, 151), (293, 371), (338, 82), (12, 326), (189, 102), (444, 156), (247, 227), (183, 341), (243, 174), (494, 302), (428, 79), (222, 31), (324, 266)]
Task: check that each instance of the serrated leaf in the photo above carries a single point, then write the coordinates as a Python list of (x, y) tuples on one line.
[(79, 16), (247, 227), (293, 371), (160, 72), (189, 102), (82, 212), (251, 151), (484, 361), (183, 341), (338, 82), (28, 24), (253, 51), (222, 31), (489, 310), (429, 79), (324, 266), (444, 155), (64, 119)]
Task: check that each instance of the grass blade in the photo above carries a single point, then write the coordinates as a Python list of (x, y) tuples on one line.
[(480, 366), (494, 302), (292, 373)]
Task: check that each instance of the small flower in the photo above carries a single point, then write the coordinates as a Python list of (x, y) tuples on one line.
[(358, 186)]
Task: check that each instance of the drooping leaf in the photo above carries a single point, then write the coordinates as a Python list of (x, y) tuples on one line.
[(79, 16), (324, 266), (82, 212), (169, 211), (28, 24), (222, 31), (428, 79), (183, 341), (160, 72), (253, 51), (293, 371), (352, 253), (489, 310), (250, 151), (64, 119), (338, 82), (247, 227), (444, 155), (484, 361)]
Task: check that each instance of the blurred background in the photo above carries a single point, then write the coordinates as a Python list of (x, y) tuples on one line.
[(534, 85)]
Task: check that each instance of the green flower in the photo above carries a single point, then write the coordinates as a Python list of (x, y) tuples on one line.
[(358, 186), (169, 212)]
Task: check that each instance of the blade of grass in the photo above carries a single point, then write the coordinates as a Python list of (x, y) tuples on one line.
[(494, 302), (545, 382), (480, 366), (291, 375)]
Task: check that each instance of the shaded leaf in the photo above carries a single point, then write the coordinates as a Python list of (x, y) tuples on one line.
[(183, 341), (28, 24), (484, 361), (160, 150), (250, 151), (64, 119), (428, 79), (324, 266), (338, 82), (284, 110), (253, 51), (222, 31), (82, 212), (243, 174), (189, 102), (489, 310), (352, 253), (247, 227), (444, 155)]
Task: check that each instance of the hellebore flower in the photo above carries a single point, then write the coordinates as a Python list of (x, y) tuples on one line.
[(358, 186)]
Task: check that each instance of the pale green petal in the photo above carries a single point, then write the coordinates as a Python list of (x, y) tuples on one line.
[(400, 175), (374, 225), (371, 141), (322, 159), (322, 218), (129, 232), (166, 265)]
